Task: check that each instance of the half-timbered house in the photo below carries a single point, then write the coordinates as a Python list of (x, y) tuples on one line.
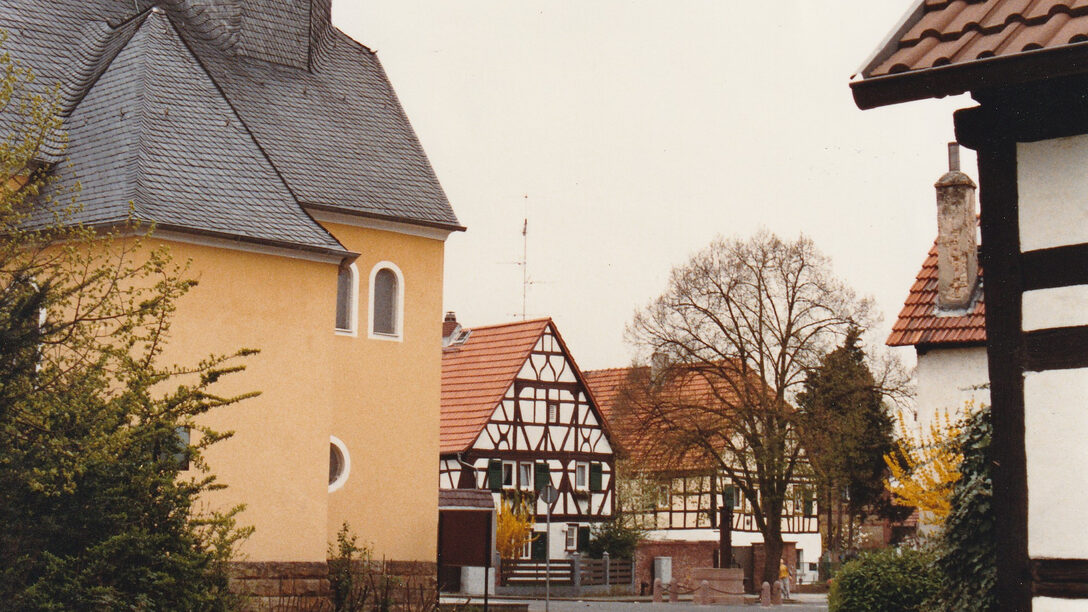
[(516, 416), (680, 502), (1026, 64)]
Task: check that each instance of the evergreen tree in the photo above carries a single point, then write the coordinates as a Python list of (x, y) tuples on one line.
[(846, 430)]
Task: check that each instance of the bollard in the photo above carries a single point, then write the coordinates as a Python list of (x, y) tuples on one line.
[(674, 592), (657, 590), (765, 595), (702, 596), (776, 593)]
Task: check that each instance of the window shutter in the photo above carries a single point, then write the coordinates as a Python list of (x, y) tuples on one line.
[(583, 539), (596, 477), (539, 548), (494, 475), (542, 477), (810, 504)]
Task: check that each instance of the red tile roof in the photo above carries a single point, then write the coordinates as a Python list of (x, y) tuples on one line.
[(950, 46), (476, 374), (618, 392), (920, 323)]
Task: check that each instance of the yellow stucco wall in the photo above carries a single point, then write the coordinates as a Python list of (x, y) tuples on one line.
[(380, 397)]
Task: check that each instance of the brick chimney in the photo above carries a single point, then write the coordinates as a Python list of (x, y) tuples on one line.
[(957, 245), (450, 328)]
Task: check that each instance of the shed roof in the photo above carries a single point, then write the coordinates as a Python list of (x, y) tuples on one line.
[(922, 324), (947, 47), (224, 117)]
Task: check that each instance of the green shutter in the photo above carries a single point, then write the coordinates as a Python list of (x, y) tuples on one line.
[(542, 476), (596, 477), (494, 475), (539, 548), (583, 539), (810, 504), (727, 496)]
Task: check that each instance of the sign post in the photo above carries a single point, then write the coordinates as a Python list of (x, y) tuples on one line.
[(549, 496)]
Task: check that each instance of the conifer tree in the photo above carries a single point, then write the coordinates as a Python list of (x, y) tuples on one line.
[(846, 431)]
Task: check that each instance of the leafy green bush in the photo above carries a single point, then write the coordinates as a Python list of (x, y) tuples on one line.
[(889, 580), (966, 556)]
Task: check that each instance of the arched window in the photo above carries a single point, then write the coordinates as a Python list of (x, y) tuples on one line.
[(347, 290), (339, 463), (386, 301)]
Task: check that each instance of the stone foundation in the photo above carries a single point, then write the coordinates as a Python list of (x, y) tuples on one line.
[(407, 586), (686, 557), (280, 586)]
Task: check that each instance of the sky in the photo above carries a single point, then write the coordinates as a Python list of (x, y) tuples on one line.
[(631, 133)]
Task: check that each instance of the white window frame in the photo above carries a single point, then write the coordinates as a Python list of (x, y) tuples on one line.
[(664, 496), (572, 537), (353, 307), (398, 335), (512, 482), (343, 477), (525, 475), (581, 469)]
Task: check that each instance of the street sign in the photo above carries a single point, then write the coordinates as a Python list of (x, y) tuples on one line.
[(549, 495)]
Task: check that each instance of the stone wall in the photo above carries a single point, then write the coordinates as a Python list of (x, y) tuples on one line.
[(305, 587), (275, 586)]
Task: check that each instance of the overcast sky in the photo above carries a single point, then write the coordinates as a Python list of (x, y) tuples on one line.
[(631, 133)]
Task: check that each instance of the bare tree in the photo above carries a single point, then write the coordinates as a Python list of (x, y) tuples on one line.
[(732, 338)]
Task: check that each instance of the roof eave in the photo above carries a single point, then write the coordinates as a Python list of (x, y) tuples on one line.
[(973, 76)]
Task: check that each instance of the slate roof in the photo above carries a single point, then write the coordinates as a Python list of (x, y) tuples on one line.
[(921, 324), (945, 47), (476, 375), (224, 117)]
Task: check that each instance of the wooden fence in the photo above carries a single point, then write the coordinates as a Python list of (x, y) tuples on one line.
[(576, 572)]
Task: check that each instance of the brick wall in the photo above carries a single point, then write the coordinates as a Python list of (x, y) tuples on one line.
[(686, 556)]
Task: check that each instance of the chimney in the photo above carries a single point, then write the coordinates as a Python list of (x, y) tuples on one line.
[(957, 246), (659, 362), (450, 328)]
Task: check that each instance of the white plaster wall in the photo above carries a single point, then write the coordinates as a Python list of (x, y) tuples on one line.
[(947, 379), (1053, 192), (1053, 604), (1057, 462), (1055, 307)]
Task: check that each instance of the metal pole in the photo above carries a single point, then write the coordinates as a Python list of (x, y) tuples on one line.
[(487, 566), (547, 559)]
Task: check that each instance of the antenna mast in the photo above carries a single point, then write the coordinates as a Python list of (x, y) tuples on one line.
[(524, 264)]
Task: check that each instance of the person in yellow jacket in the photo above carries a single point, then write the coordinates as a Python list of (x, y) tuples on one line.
[(784, 578)]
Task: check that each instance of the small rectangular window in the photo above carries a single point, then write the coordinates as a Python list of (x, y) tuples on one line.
[(525, 475), (182, 454), (572, 537), (553, 412), (663, 496), (581, 476)]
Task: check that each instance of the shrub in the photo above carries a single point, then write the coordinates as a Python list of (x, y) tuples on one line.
[(889, 580), (617, 537), (966, 556)]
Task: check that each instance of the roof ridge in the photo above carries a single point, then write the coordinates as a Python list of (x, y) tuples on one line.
[(96, 50), (510, 324)]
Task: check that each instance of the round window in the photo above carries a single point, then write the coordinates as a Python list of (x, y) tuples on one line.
[(339, 463)]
